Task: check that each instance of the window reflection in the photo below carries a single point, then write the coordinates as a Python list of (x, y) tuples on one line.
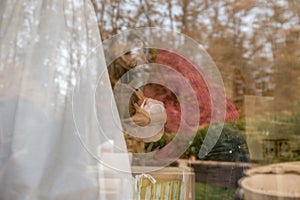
[(255, 45)]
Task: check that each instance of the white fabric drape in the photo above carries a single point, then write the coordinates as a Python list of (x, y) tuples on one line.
[(45, 52)]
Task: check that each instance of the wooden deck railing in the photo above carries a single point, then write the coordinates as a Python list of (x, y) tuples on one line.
[(170, 183)]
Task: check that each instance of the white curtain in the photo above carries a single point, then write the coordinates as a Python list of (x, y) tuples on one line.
[(51, 136)]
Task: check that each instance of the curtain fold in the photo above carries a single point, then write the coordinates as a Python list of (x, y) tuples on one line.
[(45, 52)]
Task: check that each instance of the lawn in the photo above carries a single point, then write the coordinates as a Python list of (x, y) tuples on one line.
[(204, 191)]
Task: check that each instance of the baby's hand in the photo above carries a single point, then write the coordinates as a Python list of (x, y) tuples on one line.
[(140, 96), (141, 117)]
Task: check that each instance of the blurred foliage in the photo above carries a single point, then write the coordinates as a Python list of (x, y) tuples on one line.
[(231, 145), (159, 144), (241, 124)]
